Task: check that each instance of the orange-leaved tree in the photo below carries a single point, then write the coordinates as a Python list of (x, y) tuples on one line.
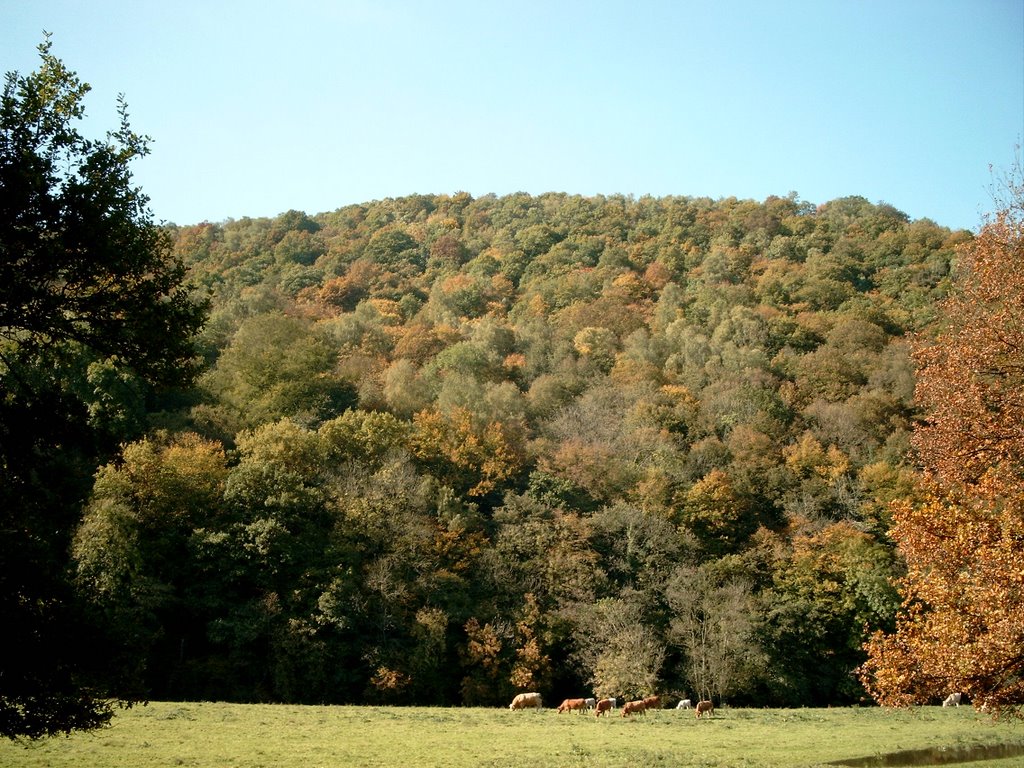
[(961, 627)]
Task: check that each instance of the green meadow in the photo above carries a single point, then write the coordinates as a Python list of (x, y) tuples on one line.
[(280, 736)]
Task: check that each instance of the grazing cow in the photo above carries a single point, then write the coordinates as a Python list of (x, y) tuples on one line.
[(525, 701), (652, 702), (572, 705), (591, 703), (685, 704), (604, 705), (705, 706), (953, 700), (631, 707)]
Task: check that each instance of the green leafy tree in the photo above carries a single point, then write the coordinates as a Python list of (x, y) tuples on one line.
[(132, 551), (832, 589), (66, 197), (82, 267), (636, 549), (716, 515), (396, 249), (275, 366)]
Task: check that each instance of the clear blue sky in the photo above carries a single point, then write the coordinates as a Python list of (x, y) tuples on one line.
[(259, 107)]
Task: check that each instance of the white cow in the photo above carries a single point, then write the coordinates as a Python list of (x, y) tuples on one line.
[(590, 703), (953, 700), (526, 700), (685, 704)]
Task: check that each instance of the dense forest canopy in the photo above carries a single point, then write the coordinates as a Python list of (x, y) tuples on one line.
[(448, 448)]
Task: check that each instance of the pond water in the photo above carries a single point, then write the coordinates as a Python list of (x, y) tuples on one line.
[(935, 756)]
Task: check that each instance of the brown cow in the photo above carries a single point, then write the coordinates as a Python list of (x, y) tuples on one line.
[(705, 706), (634, 706), (524, 700), (652, 702), (572, 704), (604, 705)]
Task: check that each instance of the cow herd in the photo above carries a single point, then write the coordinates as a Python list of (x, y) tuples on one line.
[(604, 706), (639, 706)]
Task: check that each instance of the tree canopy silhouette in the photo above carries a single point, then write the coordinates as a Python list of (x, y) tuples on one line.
[(93, 311)]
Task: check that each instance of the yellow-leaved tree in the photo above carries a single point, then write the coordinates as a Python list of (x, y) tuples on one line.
[(961, 627)]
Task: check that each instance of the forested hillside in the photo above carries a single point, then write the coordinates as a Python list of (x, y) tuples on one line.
[(446, 449)]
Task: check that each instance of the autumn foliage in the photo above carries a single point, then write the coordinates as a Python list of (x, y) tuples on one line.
[(962, 623), (481, 445)]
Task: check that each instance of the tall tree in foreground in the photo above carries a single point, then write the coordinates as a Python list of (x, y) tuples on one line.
[(86, 280), (962, 623)]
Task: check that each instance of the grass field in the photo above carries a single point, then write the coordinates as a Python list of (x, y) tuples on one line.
[(217, 735)]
